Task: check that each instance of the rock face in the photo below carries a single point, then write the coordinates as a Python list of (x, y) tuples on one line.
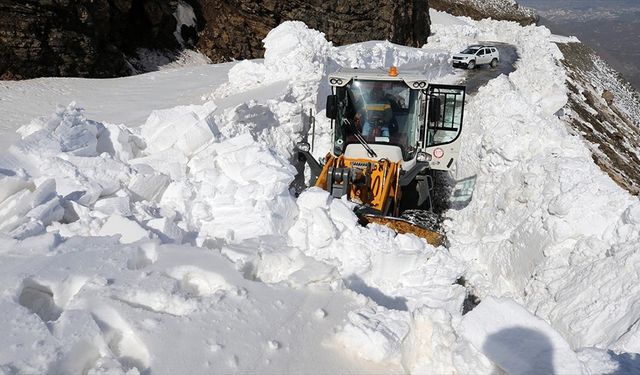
[(234, 29), (96, 38), (86, 38), (506, 10), (604, 109)]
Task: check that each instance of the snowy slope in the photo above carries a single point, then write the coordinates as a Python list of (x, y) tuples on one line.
[(545, 226), (172, 244), (128, 100)]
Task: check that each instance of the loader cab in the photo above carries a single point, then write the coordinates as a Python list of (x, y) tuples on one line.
[(400, 116), (384, 113)]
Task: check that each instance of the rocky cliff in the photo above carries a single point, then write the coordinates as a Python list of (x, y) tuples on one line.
[(506, 10), (234, 29), (99, 38), (86, 38), (604, 109)]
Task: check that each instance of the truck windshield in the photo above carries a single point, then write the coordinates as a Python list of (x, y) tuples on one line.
[(382, 112)]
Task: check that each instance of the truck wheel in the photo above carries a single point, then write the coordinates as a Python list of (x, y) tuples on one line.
[(494, 63), (471, 65)]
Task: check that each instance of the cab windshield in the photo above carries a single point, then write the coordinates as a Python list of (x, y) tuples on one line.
[(470, 51), (382, 112)]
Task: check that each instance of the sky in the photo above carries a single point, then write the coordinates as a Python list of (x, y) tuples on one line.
[(611, 27)]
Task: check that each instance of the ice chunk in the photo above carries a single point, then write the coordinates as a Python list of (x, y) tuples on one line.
[(168, 231), (148, 186), (375, 334), (11, 182), (114, 205), (185, 128), (66, 131), (129, 230), (314, 197), (119, 142)]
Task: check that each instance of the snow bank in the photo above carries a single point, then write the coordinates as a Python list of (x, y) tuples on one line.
[(101, 307), (397, 271), (517, 341), (545, 225)]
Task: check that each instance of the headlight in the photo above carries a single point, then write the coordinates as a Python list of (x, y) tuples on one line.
[(303, 146), (423, 156)]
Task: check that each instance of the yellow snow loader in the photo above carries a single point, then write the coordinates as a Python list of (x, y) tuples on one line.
[(391, 131)]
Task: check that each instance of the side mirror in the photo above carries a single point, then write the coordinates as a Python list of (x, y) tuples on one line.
[(332, 107), (434, 109)]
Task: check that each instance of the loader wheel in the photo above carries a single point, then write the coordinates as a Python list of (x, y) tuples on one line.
[(494, 63), (471, 65)]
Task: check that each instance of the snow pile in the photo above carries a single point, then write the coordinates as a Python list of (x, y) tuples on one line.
[(517, 341), (560, 230), (91, 305), (397, 271), (303, 56), (62, 166)]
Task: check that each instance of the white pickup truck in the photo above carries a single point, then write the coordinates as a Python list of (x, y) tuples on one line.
[(477, 55)]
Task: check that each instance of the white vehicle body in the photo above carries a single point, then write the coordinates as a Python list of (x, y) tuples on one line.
[(476, 55), (434, 131)]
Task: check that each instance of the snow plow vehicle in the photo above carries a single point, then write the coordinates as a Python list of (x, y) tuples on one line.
[(391, 131)]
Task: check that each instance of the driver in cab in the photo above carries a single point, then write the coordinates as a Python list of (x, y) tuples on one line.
[(374, 113)]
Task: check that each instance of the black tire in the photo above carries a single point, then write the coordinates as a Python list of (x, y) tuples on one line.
[(494, 63), (471, 65)]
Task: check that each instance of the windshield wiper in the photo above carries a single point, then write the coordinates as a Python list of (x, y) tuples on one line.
[(361, 139)]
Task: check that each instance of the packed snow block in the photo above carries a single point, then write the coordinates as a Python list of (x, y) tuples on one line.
[(66, 131), (74, 211), (27, 213), (47, 212), (119, 142), (185, 128), (11, 182), (429, 346), (169, 162), (114, 205), (148, 186), (84, 179), (314, 197), (129, 230), (167, 230), (375, 333), (518, 341)]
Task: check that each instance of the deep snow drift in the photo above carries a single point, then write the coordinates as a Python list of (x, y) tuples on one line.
[(177, 247)]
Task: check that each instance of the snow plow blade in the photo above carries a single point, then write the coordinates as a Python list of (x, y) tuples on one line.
[(403, 226)]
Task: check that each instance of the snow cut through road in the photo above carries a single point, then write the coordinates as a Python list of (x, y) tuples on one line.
[(117, 240)]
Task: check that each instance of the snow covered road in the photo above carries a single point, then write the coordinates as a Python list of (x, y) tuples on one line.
[(474, 79)]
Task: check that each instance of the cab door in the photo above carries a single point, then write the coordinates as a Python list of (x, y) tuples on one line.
[(444, 117), (484, 56)]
